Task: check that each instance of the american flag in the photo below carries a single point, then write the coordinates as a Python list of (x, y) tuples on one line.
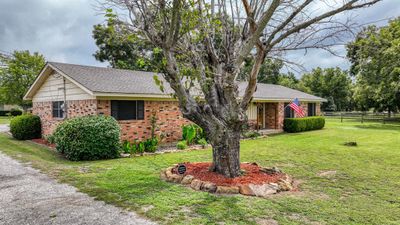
[(295, 105)]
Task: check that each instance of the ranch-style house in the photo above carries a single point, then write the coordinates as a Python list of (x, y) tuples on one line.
[(64, 91)]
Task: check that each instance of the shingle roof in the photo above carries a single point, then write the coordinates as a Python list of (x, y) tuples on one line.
[(118, 81)]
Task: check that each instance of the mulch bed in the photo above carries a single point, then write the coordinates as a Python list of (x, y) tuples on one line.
[(43, 142), (252, 175)]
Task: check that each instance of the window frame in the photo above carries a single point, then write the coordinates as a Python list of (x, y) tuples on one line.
[(311, 109), (291, 112), (57, 110), (138, 113)]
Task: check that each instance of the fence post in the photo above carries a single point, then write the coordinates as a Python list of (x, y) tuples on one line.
[(341, 117), (362, 117)]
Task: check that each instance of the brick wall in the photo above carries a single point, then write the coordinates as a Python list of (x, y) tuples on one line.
[(75, 108), (169, 121)]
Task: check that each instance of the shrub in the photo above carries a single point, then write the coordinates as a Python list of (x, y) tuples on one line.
[(15, 112), (4, 113), (202, 142), (88, 138), (25, 127), (181, 145), (293, 125)]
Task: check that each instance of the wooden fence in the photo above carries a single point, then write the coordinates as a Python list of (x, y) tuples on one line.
[(364, 116)]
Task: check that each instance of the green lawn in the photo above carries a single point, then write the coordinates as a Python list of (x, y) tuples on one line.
[(4, 120), (365, 189)]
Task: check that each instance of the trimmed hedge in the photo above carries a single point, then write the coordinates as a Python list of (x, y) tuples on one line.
[(25, 127), (293, 125), (88, 138)]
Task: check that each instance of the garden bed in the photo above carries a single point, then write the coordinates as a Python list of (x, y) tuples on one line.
[(255, 180)]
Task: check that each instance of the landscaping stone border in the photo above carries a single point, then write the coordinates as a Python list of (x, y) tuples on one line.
[(259, 190)]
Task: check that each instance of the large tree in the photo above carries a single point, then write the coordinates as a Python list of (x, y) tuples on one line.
[(17, 74), (207, 42), (122, 48), (375, 62), (333, 84)]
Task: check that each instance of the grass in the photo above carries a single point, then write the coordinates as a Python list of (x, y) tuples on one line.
[(4, 120), (364, 190)]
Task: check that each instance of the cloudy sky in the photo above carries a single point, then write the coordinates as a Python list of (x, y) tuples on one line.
[(61, 30)]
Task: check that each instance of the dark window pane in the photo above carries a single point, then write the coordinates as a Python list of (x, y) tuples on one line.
[(127, 110), (288, 111), (57, 109), (311, 109), (140, 110)]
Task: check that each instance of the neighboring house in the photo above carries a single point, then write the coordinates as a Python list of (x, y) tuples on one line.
[(132, 97), (5, 107)]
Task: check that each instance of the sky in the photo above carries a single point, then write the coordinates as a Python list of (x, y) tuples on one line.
[(61, 30)]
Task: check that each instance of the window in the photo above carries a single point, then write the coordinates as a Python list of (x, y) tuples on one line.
[(127, 110), (311, 109), (58, 109), (289, 112)]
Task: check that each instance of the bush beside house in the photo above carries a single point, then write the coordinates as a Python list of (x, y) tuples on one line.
[(88, 138), (293, 125), (25, 127)]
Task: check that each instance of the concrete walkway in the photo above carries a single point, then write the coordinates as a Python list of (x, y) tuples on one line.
[(29, 197), (4, 128)]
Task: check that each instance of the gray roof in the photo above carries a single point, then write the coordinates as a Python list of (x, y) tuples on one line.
[(118, 81)]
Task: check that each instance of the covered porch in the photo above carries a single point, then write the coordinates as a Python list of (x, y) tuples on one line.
[(268, 117)]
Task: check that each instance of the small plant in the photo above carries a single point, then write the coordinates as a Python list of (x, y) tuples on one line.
[(49, 138), (25, 127), (251, 134), (126, 147), (202, 142), (150, 145), (140, 148), (192, 133), (181, 145)]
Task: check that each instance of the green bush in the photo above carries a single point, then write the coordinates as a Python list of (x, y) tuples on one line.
[(88, 138), (15, 112), (25, 127), (293, 125), (181, 145)]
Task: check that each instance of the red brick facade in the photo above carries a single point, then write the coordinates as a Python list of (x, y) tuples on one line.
[(169, 118)]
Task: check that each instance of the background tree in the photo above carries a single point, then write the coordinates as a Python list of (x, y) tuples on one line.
[(122, 48), (196, 57), (269, 70), (333, 84), (16, 77), (375, 62)]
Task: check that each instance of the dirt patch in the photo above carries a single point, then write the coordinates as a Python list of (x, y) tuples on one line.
[(42, 141), (329, 173), (252, 175)]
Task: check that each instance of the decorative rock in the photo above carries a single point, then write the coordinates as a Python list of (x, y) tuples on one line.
[(263, 190), (246, 190), (208, 186), (227, 190), (285, 183), (270, 170), (163, 176), (196, 184), (176, 178), (187, 179)]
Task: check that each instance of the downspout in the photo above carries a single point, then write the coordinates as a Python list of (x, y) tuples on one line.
[(65, 100)]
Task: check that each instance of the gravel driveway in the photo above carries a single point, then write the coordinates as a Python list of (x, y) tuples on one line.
[(29, 197)]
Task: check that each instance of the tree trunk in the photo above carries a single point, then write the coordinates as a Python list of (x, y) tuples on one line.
[(226, 151)]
